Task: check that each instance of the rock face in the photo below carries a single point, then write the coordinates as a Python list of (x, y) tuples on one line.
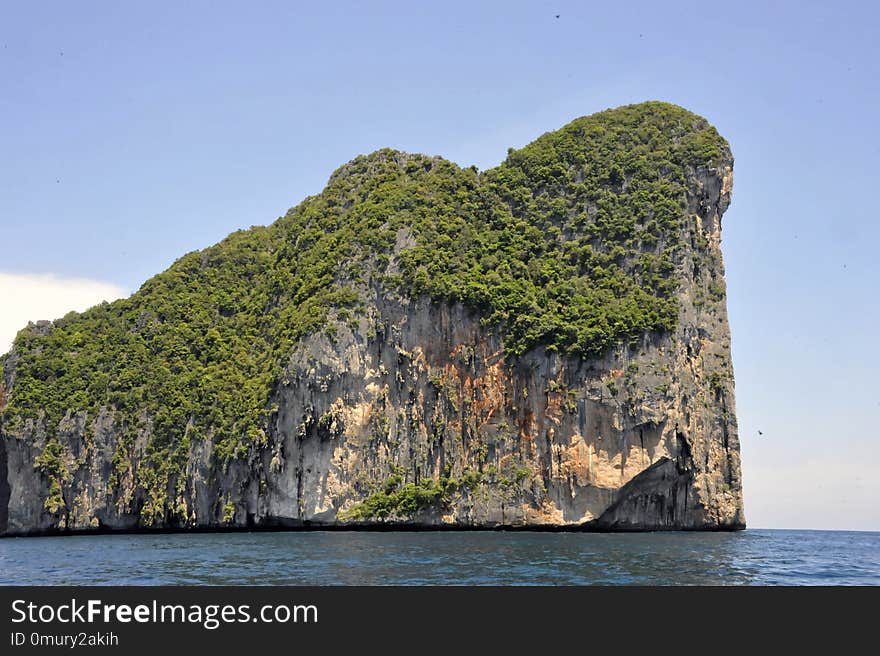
[(413, 410)]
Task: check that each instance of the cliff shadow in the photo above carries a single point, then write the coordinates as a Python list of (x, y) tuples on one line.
[(4, 487)]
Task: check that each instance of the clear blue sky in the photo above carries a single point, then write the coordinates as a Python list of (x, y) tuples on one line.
[(131, 133)]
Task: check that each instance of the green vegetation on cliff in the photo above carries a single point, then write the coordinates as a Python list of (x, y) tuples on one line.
[(569, 244), (571, 241), (398, 500)]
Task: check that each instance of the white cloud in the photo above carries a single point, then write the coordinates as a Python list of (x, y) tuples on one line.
[(31, 297)]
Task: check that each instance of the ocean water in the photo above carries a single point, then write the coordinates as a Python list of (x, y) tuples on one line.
[(751, 557)]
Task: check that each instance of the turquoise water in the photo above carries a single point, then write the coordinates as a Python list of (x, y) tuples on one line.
[(758, 557)]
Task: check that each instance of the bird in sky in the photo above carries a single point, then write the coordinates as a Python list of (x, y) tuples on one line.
[(760, 433)]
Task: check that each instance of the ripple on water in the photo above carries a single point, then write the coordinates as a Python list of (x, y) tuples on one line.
[(759, 557)]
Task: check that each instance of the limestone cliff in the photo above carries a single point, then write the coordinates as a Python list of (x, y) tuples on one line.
[(541, 345)]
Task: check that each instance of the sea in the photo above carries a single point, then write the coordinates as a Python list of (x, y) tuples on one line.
[(750, 557)]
